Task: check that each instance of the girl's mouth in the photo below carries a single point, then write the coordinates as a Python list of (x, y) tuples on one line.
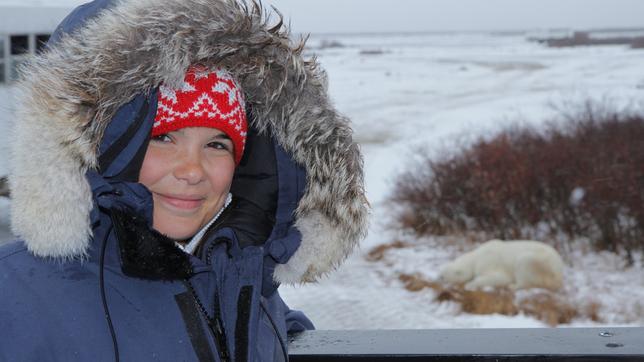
[(182, 202)]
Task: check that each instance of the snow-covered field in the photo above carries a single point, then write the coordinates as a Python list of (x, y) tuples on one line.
[(404, 91), (433, 90)]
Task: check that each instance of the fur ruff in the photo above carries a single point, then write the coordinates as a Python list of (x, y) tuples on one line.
[(70, 92)]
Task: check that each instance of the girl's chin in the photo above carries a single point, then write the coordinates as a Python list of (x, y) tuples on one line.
[(177, 236), (178, 230)]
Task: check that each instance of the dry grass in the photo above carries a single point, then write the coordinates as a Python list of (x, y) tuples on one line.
[(550, 307), (378, 253), (500, 301), (415, 283)]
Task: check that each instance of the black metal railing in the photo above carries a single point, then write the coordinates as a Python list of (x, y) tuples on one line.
[(529, 344)]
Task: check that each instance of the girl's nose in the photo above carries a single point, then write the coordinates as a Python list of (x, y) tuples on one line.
[(189, 168)]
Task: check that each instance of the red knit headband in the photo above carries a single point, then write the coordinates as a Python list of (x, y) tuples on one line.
[(207, 98)]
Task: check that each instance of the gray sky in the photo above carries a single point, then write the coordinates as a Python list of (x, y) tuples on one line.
[(330, 16), (431, 15)]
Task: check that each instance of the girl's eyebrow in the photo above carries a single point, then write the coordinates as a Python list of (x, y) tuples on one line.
[(222, 135)]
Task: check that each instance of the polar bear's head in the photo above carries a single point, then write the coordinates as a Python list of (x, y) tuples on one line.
[(456, 273)]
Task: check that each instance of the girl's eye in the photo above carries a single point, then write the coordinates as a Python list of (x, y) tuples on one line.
[(162, 138), (219, 146)]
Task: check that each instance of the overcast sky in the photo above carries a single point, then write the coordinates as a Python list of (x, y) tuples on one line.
[(430, 15), (331, 16)]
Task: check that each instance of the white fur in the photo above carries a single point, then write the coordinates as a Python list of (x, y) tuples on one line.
[(314, 257), (514, 264), (50, 205)]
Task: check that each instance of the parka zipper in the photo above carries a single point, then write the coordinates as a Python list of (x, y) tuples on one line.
[(217, 328), (217, 325), (214, 324)]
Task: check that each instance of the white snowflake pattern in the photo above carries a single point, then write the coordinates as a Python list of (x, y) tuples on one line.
[(201, 74), (225, 88), (188, 87), (223, 74), (171, 94), (168, 93)]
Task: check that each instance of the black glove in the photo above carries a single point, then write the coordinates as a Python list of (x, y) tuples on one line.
[(255, 190)]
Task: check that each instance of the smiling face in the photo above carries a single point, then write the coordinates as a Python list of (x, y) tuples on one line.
[(189, 172)]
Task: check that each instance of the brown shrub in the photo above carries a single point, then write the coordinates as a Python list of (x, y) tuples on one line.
[(582, 38), (638, 43), (582, 180), (4, 187)]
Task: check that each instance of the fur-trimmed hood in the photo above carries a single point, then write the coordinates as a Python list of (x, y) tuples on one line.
[(71, 92)]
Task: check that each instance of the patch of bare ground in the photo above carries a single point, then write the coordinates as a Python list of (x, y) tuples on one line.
[(378, 253), (372, 52), (4, 187), (511, 66), (583, 38), (550, 307)]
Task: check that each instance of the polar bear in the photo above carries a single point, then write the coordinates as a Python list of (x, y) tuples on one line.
[(519, 264)]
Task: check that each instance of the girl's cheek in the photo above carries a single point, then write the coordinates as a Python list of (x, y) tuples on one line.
[(156, 162)]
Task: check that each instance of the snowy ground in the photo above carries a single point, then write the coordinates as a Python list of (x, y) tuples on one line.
[(433, 90)]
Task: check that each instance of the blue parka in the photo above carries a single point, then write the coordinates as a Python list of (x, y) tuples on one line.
[(89, 280)]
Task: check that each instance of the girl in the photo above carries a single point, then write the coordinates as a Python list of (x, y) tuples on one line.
[(173, 162)]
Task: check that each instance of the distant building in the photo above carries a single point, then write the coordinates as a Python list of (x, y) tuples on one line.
[(23, 31)]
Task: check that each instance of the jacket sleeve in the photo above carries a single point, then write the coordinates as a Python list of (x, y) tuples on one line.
[(297, 322)]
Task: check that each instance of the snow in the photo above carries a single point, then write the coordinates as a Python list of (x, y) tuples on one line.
[(437, 90)]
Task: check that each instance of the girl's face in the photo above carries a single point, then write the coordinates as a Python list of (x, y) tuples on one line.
[(189, 172)]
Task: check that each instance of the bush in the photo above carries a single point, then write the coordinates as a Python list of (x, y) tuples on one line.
[(583, 38), (584, 180)]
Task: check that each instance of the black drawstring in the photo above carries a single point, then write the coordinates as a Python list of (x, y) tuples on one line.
[(105, 308)]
